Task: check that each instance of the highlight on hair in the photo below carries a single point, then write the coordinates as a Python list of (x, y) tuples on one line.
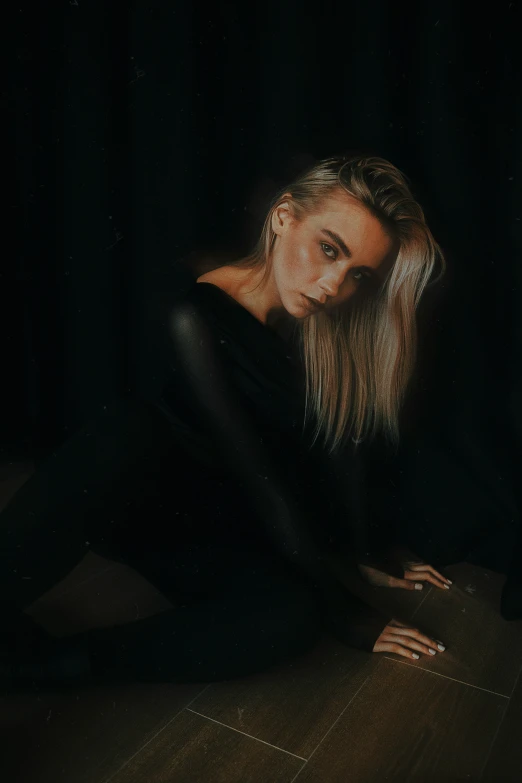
[(359, 358)]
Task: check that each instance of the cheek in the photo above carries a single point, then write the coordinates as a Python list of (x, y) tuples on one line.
[(298, 264), (301, 260)]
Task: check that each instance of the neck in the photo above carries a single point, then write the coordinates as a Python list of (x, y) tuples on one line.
[(261, 297)]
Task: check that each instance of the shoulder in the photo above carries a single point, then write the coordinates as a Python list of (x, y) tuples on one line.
[(227, 278), (186, 315), (205, 309), (201, 312)]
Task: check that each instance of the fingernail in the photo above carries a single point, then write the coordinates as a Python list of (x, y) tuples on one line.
[(418, 586), (441, 647), (414, 655), (433, 652), (447, 587), (449, 580)]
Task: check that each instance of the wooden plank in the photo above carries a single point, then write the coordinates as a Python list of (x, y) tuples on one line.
[(505, 762), (482, 648), (85, 735), (193, 749), (408, 725), (294, 704)]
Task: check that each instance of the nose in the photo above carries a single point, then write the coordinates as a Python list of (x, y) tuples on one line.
[(331, 284)]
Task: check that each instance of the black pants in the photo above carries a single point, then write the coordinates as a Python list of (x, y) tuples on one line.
[(121, 487)]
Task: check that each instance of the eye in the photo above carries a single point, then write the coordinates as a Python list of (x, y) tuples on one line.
[(361, 277), (333, 250)]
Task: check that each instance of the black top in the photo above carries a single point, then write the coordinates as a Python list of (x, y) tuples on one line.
[(236, 404)]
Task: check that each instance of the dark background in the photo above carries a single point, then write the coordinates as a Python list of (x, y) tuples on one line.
[(146, 133)]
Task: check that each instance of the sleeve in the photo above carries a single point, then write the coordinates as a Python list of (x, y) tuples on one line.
[(236, 438), (343, 483)]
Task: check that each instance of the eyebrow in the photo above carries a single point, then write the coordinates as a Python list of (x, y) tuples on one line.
[(337, 238), (374, 273)]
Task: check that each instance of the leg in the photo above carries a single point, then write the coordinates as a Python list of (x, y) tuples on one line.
[(45, 529), (250, 615), (258, 616)]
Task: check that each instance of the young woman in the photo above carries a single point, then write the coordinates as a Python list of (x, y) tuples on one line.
[(222, 491)]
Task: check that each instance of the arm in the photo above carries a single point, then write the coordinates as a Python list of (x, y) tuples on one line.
[(343, 485), (240, 444)]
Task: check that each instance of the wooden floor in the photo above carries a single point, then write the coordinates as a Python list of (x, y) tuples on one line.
[(334, 716)]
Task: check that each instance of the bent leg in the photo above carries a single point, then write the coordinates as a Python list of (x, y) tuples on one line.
[(44, 529), (261, 617), (264, 621)]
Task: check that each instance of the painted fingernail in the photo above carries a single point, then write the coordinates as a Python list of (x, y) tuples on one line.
[(449, 580), (418, 586), (447, 587), (433, 652), (441, 647), (414, 655)]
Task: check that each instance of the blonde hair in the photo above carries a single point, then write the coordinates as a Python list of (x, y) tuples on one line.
[(359, 358)]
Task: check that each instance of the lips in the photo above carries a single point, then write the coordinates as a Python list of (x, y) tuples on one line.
[(312, 305)]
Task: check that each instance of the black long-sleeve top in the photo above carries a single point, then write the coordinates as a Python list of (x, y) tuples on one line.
[(235, 402)]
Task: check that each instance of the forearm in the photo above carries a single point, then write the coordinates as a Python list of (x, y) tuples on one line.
[(290, 528)]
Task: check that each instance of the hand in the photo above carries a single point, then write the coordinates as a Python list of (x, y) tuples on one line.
[(415, 571), (404, 640)]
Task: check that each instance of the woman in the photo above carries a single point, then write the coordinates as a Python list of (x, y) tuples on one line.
[(278, 362)]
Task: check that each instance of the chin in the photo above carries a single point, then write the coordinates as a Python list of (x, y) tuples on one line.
[(297, 307), (299, 311), (306, 310)]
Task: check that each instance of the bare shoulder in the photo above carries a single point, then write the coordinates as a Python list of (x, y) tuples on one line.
[(225, 277), (208, 277)]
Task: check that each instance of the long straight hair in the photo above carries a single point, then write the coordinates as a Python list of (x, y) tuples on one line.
[(359, 358)]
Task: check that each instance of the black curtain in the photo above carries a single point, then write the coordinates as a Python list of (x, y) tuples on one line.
[(146, 132)]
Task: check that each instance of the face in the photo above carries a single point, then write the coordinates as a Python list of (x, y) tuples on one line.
[(328, 256)]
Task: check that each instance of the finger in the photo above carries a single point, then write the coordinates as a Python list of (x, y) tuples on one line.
[(426, 576), (395, 623), (409, 643), (405, 584), (427, 567), (416, 634), (395, 648)]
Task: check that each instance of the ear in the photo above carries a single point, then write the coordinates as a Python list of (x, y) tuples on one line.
[(282, 216)]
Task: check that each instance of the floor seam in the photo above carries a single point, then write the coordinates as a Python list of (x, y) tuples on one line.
[(426, 594), (446, 677), (116, 772), (226, 726), (333, 724)]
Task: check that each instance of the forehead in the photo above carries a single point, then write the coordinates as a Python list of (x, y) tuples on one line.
[(341, 207)]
